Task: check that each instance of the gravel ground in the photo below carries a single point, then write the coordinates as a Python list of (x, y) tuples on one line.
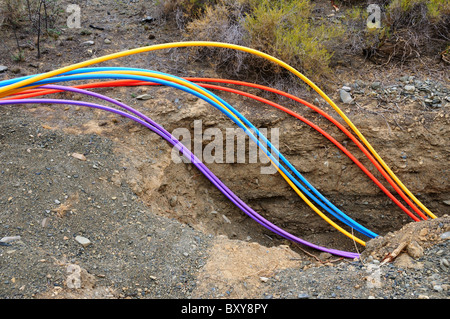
[(369, 280), (50, 198)]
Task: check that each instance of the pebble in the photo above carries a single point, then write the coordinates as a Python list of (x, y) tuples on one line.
[(3, 68), (445, 235), (144, 97), (345, 96), (410, 88), (346, 88), (173, 201), (264, 279), (107, 41), (89, 42), (148, 19), (83, 241), (438, 288), (9, 239), (226, 219), (79, 156), (376, 85)]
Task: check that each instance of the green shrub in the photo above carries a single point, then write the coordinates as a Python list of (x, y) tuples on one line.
[(410, 29), (285, 29)]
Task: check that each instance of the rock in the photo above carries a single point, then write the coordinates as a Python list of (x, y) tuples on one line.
[(226, 219), (45, 222), (173, 201), (144, 97), (376, 85), (107, 41), (79, 278), (81, 157), (445, 235), (83, 241), (9, 239), (303, 296), (346, 88), (3, 68), (148, 19), (88, 42), (410, 88), (324, 256), (345, 96), (263, 279), (414, 249), (438, 288)]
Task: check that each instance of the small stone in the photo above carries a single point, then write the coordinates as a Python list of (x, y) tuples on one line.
[(447, 202), (376, 85), (144, 97), (173, 201), (345, 96), (148, 19), (414, 249), (88, 43), (83, 241), (9, 239), (3, 68), (423, 232), (423, 297), (444, 263), (45, 222), (263, 279), (324, 256), (303, 296), (346, 88), (79, 156), (410, 88), (438, 288), (445, 235), (107, 41), (226, 219)]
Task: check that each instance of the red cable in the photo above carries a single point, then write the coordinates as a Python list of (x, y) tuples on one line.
[(37, 92)]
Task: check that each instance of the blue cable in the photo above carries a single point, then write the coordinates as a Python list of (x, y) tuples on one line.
[(66, 77)]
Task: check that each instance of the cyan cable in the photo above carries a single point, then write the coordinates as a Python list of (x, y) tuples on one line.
[(335, 212), (163, 133)]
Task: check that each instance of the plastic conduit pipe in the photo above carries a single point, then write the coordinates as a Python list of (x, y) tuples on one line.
[(285, 174), (159, 130), (4, 90), (133, 71), (34, 93)]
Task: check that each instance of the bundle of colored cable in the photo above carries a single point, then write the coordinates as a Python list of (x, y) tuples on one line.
[(147, 122), (236, 117), (15, 89)]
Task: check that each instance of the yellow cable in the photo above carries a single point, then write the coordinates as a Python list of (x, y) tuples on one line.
[(199, 90), (5, 89)]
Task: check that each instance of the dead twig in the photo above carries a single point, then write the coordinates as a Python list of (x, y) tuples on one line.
[(391, 256)]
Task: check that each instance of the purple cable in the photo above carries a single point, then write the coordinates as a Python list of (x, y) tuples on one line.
[(150, 124)]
